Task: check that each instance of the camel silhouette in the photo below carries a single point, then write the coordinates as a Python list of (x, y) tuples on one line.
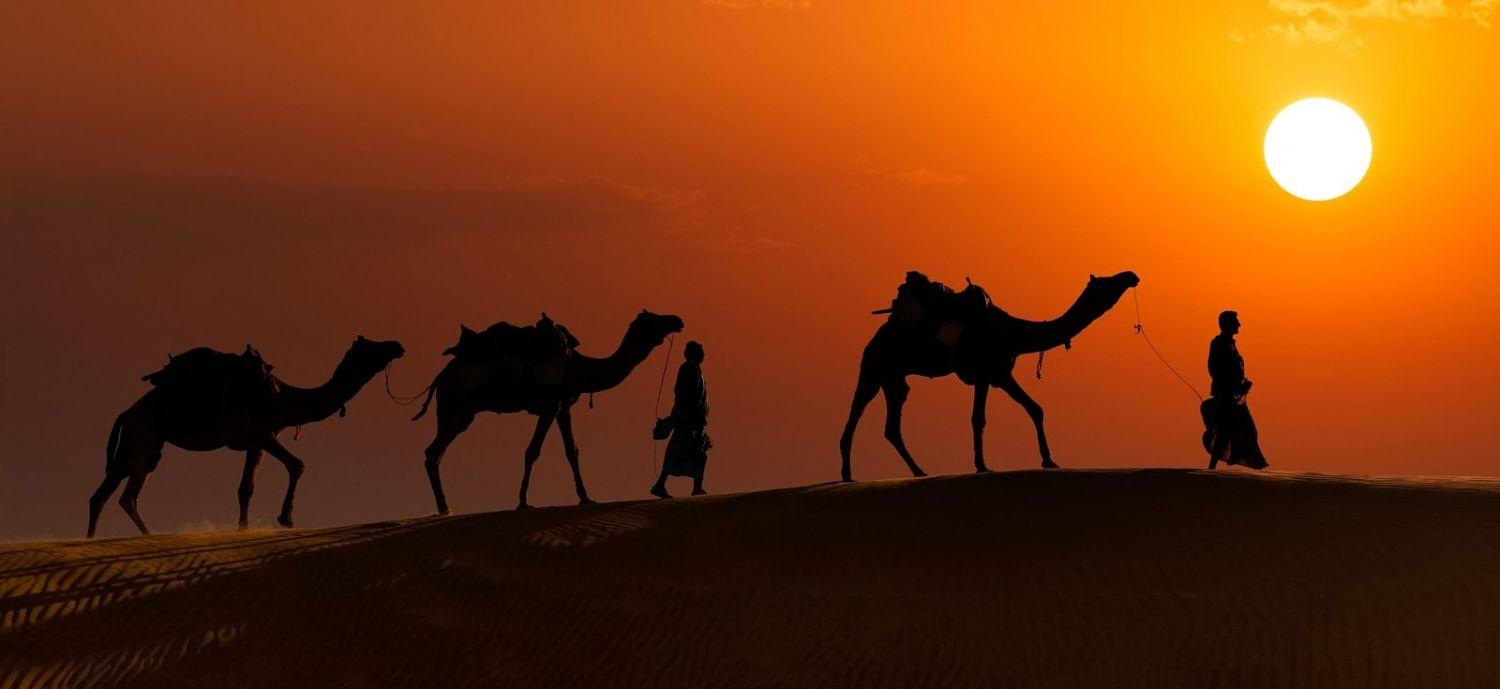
[(463, 389), (247, 423), (983, 355)]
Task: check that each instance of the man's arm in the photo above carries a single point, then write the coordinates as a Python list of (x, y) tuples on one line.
[(1218, 357)]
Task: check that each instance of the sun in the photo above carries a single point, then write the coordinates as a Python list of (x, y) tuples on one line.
[(1318, 149)]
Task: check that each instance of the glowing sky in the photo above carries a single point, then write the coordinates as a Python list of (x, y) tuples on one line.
[(292, 174)]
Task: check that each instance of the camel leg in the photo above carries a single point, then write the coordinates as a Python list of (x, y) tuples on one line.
[(131, 498), (864, 391), (895, 398), (1034, 410), (981, 394), (247, 485), (447, 430), (96, 501), (570, 448), (294, 469), (132, 453), (533, 451)]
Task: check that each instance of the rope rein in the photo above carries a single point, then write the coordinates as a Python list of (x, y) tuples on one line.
[(656, 411), (399, 399), (1141, 330)]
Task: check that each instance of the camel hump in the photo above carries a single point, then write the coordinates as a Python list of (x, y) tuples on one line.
[(531, 343), (205, 369), (927, 304)]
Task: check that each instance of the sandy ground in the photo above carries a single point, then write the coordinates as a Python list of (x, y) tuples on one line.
[(1152, 578)]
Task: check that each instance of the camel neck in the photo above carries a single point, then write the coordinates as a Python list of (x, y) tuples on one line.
[(1044, 335), (591, 374), (306, 405)]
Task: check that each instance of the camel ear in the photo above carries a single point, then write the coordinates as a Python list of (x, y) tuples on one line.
[(361, 338)]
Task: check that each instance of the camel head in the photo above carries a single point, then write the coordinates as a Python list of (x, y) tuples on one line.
[(367, 357), (1103, 293), (654, 328)]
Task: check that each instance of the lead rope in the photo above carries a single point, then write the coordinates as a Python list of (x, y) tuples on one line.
[(399, 399), (1141, 330), (656, 411)]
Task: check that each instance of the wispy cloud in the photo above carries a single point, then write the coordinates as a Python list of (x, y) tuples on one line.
[(222, 209), (747, 4), (923, 177), (1337, 22), (919, 177)]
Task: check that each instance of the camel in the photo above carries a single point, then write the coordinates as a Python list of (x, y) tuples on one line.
[(167, 415), (505, 390), (984, 355)]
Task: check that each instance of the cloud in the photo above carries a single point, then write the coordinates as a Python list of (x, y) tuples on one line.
[(1337, 22), (748, 4), (923, 177), (229, 212)]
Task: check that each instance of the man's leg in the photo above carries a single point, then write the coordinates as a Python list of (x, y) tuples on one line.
[(659, 489), (1223, 432)]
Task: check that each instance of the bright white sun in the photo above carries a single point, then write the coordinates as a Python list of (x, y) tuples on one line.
[(1318, 149)]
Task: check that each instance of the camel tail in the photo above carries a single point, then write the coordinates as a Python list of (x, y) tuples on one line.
[(430, 390)]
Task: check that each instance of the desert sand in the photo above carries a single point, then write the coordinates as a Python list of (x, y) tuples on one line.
[(1148, 578)]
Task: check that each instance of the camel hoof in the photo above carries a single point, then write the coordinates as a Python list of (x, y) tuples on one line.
[(243, 526), (1049, 464), (443, 512), (847, 479), (981, 470), (284, 521), (585, 501), (660, 492), (523, 506), (919, 474)]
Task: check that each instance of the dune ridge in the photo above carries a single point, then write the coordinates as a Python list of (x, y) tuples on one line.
[(1122, 578)]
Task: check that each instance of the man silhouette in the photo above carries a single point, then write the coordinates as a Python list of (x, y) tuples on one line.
[(687, 451), (1231, 435)]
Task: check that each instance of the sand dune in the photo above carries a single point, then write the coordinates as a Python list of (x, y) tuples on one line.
[(1152, 578)]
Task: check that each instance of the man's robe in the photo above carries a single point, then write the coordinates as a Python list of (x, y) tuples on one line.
[(1230, 436), (687, 451)]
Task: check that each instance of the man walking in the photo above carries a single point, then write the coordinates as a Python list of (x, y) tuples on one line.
[(1231, 435), (687, 451)]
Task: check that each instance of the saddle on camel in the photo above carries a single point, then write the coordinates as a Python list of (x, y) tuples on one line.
[(214, 379), (933, 311), (532, 352)]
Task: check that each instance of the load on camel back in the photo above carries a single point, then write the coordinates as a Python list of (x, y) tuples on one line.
[(933, 310), (937, 317), (534, 353), (210, 379)]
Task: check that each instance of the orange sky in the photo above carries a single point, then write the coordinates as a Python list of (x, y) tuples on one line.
[(294, 174)]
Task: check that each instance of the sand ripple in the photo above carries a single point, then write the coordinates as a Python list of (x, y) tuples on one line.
[(1153, 578)]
